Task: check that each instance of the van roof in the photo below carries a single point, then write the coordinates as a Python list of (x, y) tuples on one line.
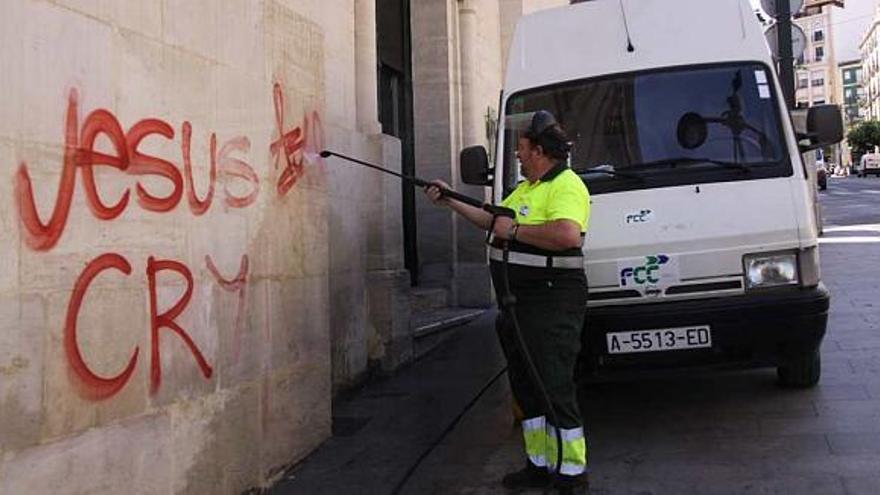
[(588, 39)]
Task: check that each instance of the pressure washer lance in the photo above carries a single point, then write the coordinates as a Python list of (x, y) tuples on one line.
[(508, 300)]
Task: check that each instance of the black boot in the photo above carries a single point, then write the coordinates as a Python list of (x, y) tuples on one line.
[(571, 485), (530, 476)]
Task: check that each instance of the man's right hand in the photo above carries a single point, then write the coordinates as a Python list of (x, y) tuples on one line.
[(434, 194)]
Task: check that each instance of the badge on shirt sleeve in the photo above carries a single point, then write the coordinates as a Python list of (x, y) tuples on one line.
[(524, 210)]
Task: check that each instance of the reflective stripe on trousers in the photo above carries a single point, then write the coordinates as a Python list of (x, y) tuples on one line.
[(535, 436), (574, 450), (540, 440)]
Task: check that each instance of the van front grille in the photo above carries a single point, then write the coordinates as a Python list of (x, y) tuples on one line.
[(707, 287), (614, 294)]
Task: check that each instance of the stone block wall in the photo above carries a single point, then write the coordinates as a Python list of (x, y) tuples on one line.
[(183, 278)]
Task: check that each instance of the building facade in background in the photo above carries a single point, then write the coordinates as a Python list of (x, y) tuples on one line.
[(852, 98), (870, 50), (852, 91), (816, 73)]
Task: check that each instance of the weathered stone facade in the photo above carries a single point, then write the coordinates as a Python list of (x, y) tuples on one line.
[(185, 282)]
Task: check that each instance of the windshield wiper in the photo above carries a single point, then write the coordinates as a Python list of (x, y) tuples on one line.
[(685, 160), (609, 170)]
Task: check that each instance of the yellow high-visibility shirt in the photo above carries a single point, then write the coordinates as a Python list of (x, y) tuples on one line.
[(559, 194)]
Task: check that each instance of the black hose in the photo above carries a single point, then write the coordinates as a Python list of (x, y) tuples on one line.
[(412, 469), (508, 303)]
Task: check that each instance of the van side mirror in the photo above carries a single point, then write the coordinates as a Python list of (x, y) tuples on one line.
[(474, 162), (820, 124)]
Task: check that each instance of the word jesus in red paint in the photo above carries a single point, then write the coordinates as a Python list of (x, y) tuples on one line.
[(79, 152)]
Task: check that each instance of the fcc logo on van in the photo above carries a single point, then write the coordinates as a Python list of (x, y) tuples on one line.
[(658, 270), (642, 216)]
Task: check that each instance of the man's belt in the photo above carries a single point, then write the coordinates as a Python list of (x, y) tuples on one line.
[(526, 259)]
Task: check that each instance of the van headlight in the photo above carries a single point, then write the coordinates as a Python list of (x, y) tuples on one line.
[(765, 270)]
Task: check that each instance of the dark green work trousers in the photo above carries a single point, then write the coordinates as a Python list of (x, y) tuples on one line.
[(550, 307)]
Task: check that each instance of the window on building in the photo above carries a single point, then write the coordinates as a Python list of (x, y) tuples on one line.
[(849, 93), (802, 81), (820, 53), (818, 36), (819, 102), (818, 78), (847, 75)]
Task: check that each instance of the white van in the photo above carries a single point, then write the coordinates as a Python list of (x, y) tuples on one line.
[(869, 163), (702, 244)]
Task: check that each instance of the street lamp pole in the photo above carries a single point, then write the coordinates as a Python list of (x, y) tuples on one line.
[(786, 61)]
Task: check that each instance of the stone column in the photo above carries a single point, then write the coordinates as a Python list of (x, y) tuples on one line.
[(366, 66), (434, 134), (388, 338), (471, 275)]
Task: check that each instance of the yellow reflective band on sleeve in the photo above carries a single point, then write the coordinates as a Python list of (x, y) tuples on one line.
[(574, 450)]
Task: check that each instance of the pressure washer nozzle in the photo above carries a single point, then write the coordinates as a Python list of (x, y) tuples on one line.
[(325, 154)]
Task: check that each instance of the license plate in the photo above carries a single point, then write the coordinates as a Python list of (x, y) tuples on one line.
[(661, 339)]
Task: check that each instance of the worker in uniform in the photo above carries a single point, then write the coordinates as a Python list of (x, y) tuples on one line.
[(546, 276)]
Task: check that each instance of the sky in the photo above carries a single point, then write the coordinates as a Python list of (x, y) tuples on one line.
[(849, 25)]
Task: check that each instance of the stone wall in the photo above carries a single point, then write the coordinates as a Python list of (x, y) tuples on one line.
[(183, 277)]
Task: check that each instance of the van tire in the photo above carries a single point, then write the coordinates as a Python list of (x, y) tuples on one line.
[(802, 371)]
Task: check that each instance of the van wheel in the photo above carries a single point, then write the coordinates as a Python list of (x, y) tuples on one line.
[(802, 371)]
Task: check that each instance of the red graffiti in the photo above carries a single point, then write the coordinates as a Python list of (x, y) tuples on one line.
[(197, 206), (237, 284), (37, 235), (166, 320), (148, 165), (102, 122), (292, 151), (288, 147), (233, 167), (80, 153), (92, 386)]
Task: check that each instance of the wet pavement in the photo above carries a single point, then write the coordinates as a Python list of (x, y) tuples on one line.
[(734, 432)]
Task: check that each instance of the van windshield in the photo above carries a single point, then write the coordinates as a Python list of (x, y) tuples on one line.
[(678, 126)]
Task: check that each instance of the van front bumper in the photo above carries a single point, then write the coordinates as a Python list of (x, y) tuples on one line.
[(751, 330)]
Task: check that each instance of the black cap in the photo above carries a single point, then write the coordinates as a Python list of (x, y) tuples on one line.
[(541, 121), (545, 131)]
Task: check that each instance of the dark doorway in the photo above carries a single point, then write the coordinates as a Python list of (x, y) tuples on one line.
[(395, 107)]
